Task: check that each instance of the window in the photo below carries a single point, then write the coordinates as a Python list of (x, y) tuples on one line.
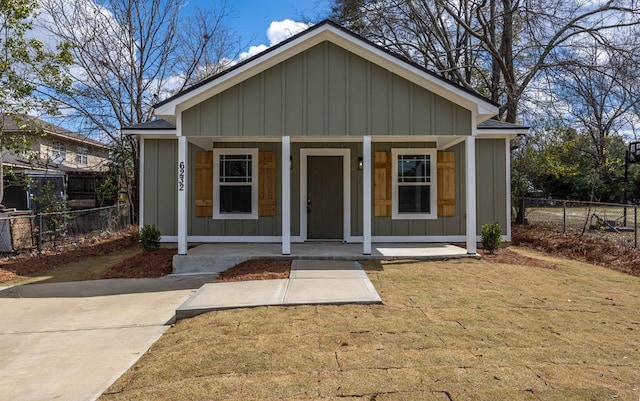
[(81, 155), (59, 152), (414, 184), (235, 184)]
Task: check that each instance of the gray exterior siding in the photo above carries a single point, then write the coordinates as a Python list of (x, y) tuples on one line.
[(160, 194), (326, 91), (160, 205), (491, 195)]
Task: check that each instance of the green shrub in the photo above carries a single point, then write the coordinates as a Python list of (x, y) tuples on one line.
[(149, 237), (491, 236)]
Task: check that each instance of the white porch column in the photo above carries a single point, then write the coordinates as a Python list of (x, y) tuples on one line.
[(286, 195), (470, 183), (183, 164), (366, 194)]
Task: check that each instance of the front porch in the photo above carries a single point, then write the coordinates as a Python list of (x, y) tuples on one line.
[(217, 257)]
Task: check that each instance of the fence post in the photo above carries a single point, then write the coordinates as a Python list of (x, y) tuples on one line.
[(39, 234), (635, 227), (564, 216)]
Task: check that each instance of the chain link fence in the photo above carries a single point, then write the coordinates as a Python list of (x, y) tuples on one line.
[(24, 231), (613, 221)]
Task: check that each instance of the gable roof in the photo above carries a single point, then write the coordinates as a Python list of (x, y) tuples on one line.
[(10, 124), (327, 31)]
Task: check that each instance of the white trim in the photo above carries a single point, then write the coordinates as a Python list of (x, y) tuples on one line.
[(507, 146), (430, 139), (367, 194), (240, 138), (217, 215), (433, 184), (161, 133), (141, 185), (286, 195), (452, 141), (470, 182), (485, 135), (482, 108), (183, 190), (346, 185), (206, 239), (495, 133)]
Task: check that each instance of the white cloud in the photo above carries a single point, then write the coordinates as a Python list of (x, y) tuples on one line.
[(282, 30), (253, 50)]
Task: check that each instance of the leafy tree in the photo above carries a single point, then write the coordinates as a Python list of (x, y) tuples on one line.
[(24, 67)]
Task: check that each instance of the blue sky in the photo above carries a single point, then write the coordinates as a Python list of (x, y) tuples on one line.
[(251, 18)]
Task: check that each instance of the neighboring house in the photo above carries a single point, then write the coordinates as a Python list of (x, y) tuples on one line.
[(72, 162), (325, 136)]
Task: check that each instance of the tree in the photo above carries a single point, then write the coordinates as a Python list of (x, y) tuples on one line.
[(24, 67), (495, 47), (130, 54)]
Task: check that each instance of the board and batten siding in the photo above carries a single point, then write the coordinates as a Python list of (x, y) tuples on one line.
[(263, 226), (326, 91), (491, 196), (160, 205)]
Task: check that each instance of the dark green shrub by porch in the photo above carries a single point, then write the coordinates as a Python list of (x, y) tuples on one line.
[(149, 237), (491, 236)]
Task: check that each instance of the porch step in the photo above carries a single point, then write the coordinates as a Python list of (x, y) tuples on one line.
[(215, 258)]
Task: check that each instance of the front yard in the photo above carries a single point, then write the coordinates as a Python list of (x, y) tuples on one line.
[(455, 330)]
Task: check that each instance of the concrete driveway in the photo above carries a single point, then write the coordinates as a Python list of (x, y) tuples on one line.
[(70, 341)]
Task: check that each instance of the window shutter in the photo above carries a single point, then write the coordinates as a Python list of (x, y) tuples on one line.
[(267, 184), (446, 184), (204, 184), (382, 184)]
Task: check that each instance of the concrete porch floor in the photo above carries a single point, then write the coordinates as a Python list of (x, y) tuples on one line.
[(214, 258)]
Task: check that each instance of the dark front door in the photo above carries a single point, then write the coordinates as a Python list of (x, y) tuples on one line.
[(324, 197)]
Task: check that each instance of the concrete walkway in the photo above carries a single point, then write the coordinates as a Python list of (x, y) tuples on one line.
[(310, 282), (70, 341)]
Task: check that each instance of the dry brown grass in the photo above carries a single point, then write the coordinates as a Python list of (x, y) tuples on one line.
[(456, 330), (586, 248)]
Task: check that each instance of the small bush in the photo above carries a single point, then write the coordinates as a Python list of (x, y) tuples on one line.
[(491, 236), (149, 237)]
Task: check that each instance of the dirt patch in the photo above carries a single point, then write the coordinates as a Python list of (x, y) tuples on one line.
[(578, 247), (12, 268), (257, 269), (509, 257), (152, 264)]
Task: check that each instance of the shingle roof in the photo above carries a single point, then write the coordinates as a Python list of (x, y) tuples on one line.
[(495, 124), (9, 124), (158, 124)]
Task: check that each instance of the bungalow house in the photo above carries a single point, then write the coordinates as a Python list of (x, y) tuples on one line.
[(325, 137)]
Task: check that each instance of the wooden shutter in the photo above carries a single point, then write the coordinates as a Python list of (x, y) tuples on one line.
[(446, 184), (204, 184), (267, 184), (382, 184)]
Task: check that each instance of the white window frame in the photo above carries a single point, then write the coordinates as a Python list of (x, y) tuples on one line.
[(433, 190), (82, 155), (217, 152), (59, 150)]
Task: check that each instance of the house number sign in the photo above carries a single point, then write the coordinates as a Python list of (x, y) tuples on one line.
[(181, 177)]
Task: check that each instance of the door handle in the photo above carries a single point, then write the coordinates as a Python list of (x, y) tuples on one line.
[(308, 203)]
